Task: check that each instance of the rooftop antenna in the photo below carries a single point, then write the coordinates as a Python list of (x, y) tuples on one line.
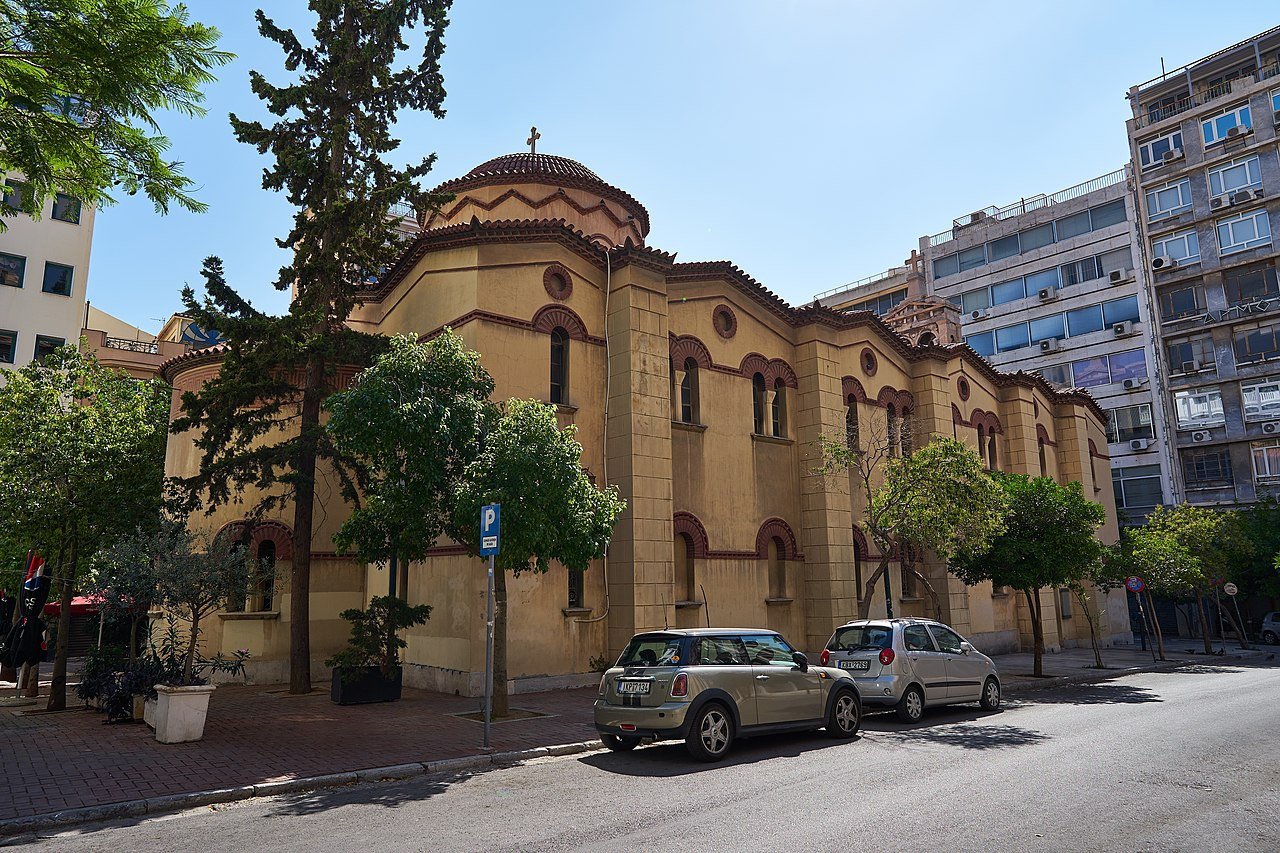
[(1163, 73)]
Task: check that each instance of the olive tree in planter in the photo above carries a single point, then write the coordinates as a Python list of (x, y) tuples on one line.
[(368, 669), (194, 575)]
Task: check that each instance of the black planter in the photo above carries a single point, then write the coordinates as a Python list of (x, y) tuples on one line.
[(372, 686)]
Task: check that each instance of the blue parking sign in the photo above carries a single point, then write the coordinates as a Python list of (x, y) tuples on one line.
[(490, 521)]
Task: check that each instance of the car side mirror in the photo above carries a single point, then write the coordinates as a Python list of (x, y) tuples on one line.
[(966, 647), (801, 660)]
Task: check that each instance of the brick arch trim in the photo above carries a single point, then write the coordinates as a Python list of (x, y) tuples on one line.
[(851, 387), (688, 524), (902, 401), (1042, 435), (773, 369), (548, 317), (276, 532), (776, 528), (685, 347), (860, 545), (989, 420)]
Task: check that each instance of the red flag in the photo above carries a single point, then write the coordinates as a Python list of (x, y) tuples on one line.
[(34, 562)]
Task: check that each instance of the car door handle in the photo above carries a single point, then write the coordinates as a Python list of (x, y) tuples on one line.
[(762, 678)]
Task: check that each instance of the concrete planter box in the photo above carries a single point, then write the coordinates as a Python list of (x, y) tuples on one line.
[(178, 713), (371, 686)]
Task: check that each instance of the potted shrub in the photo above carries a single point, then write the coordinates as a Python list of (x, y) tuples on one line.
[(101, 667), (368, 669)]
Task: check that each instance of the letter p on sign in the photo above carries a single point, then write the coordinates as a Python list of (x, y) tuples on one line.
[(490, 525)]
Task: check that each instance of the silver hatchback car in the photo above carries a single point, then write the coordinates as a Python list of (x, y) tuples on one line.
[(911, 664)]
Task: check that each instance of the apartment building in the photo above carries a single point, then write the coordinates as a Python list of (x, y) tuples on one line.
[(44, 268), (1203, 139), (1050, 285)]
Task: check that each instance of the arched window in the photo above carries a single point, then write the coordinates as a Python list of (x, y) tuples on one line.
[(779, 408), (852, 429), (559, 365), (577, 588), (991, 449), (266, 587), (982, 446), (908, 566), (904, 432), (1044, 468), (777, 569), (858, 557), (686, 582), (928, 339), (758, 394), (894, 430), (689, 393)]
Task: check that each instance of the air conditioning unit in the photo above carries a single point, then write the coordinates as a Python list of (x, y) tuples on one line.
[(1241, 196), (1123, 329), (1139, 444), (1192, 366), (1219, 201), (979, 313), (1271, 428), (1160, 263), (1175, 154), (1134, 384), (1047, 294), (1201, 435), (1276, 118), (1050, 345), (1238, 130), (1120, 276)]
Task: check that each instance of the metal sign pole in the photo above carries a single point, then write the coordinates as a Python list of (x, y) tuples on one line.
[(488, 657)]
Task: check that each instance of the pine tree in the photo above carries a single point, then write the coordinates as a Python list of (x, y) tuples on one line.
[(328, 144)]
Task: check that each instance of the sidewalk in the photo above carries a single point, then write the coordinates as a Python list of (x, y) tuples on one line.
[(261, 735), (1071, 666)]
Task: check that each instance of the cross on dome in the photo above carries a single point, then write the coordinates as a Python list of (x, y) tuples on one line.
[(532, 141)]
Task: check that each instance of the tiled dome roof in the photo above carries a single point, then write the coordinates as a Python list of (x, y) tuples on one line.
[(525, 167)]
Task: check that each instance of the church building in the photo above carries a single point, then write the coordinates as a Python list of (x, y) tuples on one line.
[(701, 396)]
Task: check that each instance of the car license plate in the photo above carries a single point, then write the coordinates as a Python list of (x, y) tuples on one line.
[(854, 664), (633, 687)]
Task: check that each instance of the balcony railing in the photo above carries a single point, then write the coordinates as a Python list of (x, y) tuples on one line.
[(146, 347), (1026, 205), (401, 210), (871, 279), (1204, 96)]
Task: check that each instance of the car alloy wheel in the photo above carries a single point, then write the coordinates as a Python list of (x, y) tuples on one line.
[(991, 695), (911, 708), (714, 732), (846, 715), (1269, 638)]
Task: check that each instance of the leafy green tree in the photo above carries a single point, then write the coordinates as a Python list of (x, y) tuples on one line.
[(938, 498), (1050, 539), (411, 423), (83, 82), (328, 147), (1102, 576), (81, 464), (1166, 566), (1260, 524), (550, 508)]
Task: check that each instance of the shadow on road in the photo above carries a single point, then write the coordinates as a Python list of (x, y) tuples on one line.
[(671, 759), (390, 795), (1104, 693)]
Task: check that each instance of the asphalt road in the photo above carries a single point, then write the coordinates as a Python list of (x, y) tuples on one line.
[(1187, 760)]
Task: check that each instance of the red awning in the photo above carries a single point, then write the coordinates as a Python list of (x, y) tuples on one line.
[(80, 606)]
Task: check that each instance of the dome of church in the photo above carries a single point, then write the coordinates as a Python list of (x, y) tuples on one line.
[(527, 185)]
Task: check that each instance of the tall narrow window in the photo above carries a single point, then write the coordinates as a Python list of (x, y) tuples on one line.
[(852, 430), (577, 591), (991, 449), (266, 587), (777, 569), (904, 432), (858, 557), (1044, 468), (559, 365), (758, 395), (689, 393), (908, 567), (779, 408), (982, 446), (894, 429), (685, 582)]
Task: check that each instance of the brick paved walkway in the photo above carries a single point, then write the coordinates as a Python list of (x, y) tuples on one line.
[(66, 760)]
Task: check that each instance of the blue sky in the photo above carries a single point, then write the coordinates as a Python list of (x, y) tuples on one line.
[(811, 142)]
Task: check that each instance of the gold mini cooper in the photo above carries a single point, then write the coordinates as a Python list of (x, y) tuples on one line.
[(708, 686)]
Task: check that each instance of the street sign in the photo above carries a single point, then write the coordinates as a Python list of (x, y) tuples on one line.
[(1230, 589), (490, 521), (1134, 584)]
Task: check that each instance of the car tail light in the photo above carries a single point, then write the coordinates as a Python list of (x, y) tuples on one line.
[(680, 687), (603, 679), (886, 657), (824, 658)]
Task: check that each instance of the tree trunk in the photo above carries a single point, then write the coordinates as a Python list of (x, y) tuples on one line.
[(189, 662), (1037, 632), (392, 577), (869, 588), (1204, 624), (31, 687), (933, 594), (501, 702), (1083, 598), (58, 682), (1244, 641), (1155, 624), (303, 516)]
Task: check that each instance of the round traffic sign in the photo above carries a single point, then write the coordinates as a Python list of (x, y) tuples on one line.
[(1134, 584), (1230, 589)]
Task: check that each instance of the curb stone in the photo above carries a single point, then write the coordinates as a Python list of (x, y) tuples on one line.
[(179, 802)]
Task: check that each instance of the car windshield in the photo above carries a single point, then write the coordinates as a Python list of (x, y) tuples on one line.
[(651, 650), (861, 637)]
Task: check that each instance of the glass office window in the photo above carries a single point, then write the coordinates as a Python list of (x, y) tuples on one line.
[(1008, 291), (1119, 310), (1012, 337), (1081, 321), (1130, 364), (1043, 328), (1089, 372)]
